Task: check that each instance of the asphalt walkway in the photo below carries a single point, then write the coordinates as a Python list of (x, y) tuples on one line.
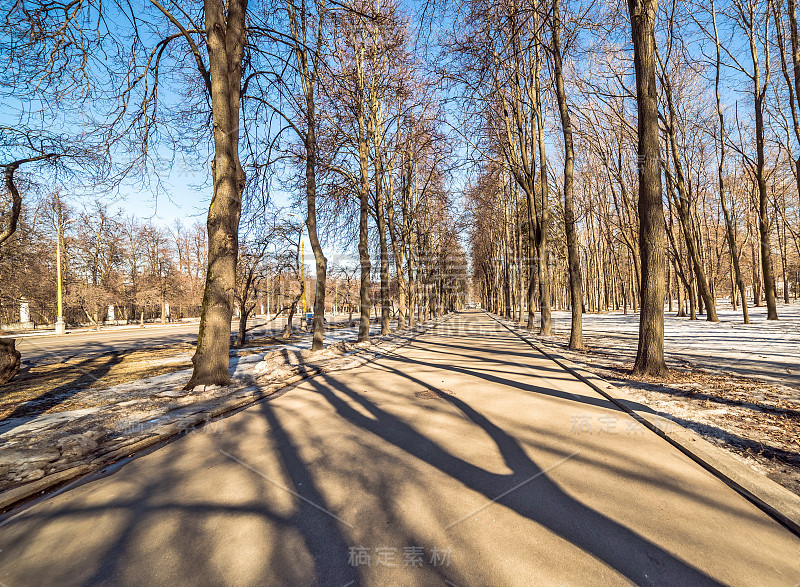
[(466, 458)]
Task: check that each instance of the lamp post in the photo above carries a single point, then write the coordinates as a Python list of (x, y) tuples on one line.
[(302, 265), (303, 273), (61, 327)]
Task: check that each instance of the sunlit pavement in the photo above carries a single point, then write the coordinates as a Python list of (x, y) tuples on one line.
[(50, 348), (465, 458)]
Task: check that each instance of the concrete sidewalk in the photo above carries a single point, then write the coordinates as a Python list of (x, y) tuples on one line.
[(467, 458)]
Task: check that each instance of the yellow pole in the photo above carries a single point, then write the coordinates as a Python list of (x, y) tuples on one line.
[(58, 269), (303, 269)]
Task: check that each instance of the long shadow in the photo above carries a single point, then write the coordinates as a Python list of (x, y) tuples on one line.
[(140, 506), (154, 499), (564, 395), (627, 472), (120, 557), (32, 408), (320, 531), (534, 354), (638, 406), (537, 497)]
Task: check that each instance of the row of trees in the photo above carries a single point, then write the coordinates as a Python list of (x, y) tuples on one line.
[(579, 145), (323, 101), (675, 165), (141, 269), (123, 269), (148, 272)]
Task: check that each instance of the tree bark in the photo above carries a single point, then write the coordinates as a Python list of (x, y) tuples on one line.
[(242, 334), (380, 219), (681, 304), (9, 360), (573, 256), (412, 289), (287, 330), (650, 353), (545, 321), (363, 246), (311, 221), (398, 246), (226, 37)]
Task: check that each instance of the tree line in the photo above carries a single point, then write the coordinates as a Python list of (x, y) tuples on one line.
[(594, 157), (119, 269), (669, 134), (141, 270)]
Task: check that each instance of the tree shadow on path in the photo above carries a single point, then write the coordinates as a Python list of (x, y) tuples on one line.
[(537, 497), (320, 530)]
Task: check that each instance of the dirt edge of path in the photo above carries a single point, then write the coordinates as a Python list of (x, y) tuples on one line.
[(771, 497)]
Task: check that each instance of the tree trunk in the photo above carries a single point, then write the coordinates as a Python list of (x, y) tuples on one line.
[(311, 221), (412, 283), (398, 246), (287, 330), (759, 94), (384, 248), (700, 298), (681, 305), (225, 42), (9, 360), (756, 276), (683, 203), (545, 323), (573, 256), (729, 227), (242, 334), (691, 292), (783, 245), (363, 252), (730, 231), (763, 224), (669, 287), (652, 232)]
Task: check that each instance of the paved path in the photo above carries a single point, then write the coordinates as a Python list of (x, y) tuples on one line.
[(51, 348), (466, 458)]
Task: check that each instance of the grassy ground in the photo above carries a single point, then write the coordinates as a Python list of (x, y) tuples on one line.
[(58, 387)]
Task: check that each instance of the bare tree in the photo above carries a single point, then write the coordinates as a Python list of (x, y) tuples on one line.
[(652, 241), (573, 257)]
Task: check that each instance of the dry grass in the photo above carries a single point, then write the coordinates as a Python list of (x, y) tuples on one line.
[(71, 385), (58, 387)]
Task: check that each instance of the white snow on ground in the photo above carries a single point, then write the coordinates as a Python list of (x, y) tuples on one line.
[(766, 349)]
